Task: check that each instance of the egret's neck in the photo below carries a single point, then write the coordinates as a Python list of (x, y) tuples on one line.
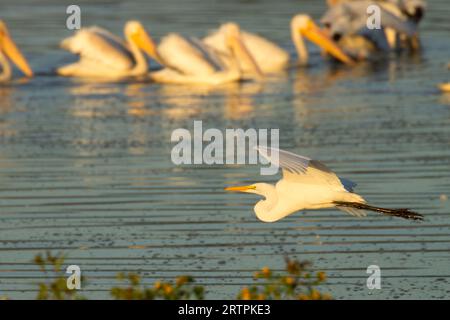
[(300, 46), (264, 208), (5, 67), (141, 65)]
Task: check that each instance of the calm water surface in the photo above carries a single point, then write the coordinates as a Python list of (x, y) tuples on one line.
[(85, 167)]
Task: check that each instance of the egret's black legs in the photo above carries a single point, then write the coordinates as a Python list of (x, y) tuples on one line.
[(402, 213)]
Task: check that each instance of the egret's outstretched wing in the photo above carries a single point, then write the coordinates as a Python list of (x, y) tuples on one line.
[(289, 161), (353, 211), (302, 169), (348, 184), (98, 45), (286, 160)]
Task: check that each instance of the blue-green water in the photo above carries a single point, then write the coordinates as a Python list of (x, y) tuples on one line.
[(85, 167)]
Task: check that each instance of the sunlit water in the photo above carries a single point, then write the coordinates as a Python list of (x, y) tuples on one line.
[(85, 167)]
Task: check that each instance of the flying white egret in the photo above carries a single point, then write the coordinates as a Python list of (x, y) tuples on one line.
[(308, 184), (189, 61), (269, 56), (8, 49), (104, 55)]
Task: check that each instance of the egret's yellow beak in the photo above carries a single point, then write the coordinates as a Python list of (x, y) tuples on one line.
[(146, 43), (314, 34), (240, 188), (8, 46)]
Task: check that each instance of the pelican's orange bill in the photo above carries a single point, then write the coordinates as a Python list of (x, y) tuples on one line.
[(13, 52), (317, 36), (240, 188), (146, 43)]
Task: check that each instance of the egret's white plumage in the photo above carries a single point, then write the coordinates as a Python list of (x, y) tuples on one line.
[(308, 184)]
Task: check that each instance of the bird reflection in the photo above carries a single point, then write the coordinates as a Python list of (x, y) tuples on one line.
[(7, 105), (184, 102), (137, 100), (94, 99)]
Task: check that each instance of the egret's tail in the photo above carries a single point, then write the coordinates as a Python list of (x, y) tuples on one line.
[(402, 213)]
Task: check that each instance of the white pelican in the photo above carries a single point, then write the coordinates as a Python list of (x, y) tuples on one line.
[(407, 10), (413, 10), (309, 184), (346, 23), (105, 55), (8, 49), (189, 61), (269, 56)]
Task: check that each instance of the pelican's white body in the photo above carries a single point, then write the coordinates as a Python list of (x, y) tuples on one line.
[(349, 20), (268, 56), (102, 54), (189, 64)]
